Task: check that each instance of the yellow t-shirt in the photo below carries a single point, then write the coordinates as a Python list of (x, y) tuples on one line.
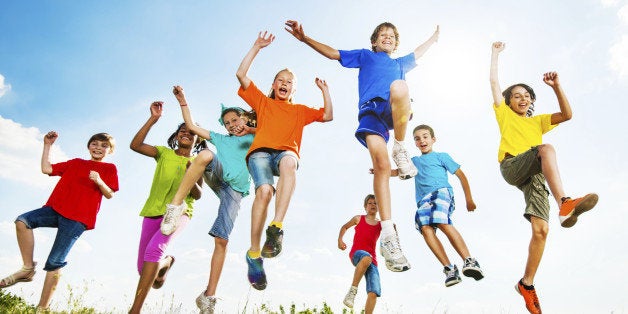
[(519, 134)]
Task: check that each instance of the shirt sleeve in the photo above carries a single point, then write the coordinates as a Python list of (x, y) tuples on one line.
[(449, 163), (407, 62), (252, 96), (110, 177), (351, 58), (59, 168)]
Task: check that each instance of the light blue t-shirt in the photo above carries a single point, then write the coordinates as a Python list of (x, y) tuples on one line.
[(377, 71), (231, 151), (433, 168)]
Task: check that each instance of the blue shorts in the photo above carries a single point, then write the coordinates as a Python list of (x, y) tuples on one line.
[(68, 231), (229, 200), (264, 165), (374, 117), (435, 208), (371, 275)]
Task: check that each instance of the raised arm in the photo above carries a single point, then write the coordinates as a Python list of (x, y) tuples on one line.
[(49, 139), (466, 188), (421, 49), (354, 221), (497, 47), (262, 41), (329, 110), (296, 29), (551, 79), (187, 115), (137, 143)]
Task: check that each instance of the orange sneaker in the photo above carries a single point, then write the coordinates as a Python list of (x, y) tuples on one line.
[(571, 209), (532, 301)]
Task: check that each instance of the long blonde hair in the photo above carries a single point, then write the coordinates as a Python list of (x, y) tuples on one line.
[(271, 94)]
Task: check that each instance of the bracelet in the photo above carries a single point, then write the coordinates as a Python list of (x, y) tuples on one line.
[(183, 105)]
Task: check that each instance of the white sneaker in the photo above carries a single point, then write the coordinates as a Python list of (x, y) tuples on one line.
[(350, 297), (171, 218), (206, 304), (405, 166), (391, 250)]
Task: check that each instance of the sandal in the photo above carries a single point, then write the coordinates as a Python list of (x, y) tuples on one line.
[(13, 279), (161, 275)]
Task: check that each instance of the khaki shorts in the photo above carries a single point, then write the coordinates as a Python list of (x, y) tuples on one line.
[(524, 172)]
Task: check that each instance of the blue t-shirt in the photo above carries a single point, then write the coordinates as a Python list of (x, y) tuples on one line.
[(377, 71), (231, 151), (433, 168)]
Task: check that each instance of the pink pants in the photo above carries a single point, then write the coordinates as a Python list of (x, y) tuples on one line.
[(153, 243)]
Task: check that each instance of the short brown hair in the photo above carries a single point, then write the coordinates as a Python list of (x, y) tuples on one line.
[(379, 28), (424, 127), (367, 198), (103, 137)]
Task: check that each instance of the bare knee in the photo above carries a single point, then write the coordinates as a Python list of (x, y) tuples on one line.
[(287, 164), (20, 226), (221, 243), (264, 192), (399, 88), (540, 228), (366, 260), (204, 157), (546, 150)]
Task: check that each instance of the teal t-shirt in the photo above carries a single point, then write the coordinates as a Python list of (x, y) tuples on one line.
[(231, 151), (169, 173), (433, 168)]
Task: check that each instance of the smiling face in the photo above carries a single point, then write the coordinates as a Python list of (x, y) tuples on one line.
[(424, 140), (385, 41), (283, 86), (185, 139), (520, 100), (98, 149), (233, 122)]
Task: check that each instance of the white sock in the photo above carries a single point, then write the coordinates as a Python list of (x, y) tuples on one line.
[(387, 227), (399, 142)]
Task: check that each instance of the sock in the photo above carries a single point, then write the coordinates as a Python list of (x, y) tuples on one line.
[(252, 254), (277, 224), (399, 142), (530, 287), (387, 227), (450, 266)]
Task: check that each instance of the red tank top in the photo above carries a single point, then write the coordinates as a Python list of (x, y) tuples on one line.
[(365, 238)]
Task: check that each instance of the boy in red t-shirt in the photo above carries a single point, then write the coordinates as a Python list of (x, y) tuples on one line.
[(362, 254), (71, 208)]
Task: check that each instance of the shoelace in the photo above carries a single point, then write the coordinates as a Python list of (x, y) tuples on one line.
[(393, 247), (168, 216)]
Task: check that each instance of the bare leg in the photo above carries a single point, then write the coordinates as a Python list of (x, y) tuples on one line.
[(429, 234), (540, 229), (360, 270), (549, 167), (193, 173), (285, 186), (26, 243), (263, 195), (147, 277), (218, 260), (400, 106), (381, 175), (50, 285), (371, 299), (456, 240)]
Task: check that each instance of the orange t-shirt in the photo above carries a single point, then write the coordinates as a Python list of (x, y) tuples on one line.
[(279, 123)]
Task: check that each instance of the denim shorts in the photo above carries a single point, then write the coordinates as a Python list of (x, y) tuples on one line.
[(371, 275), (435, 208), (264, 164), (374, 117), (68, 231), (524, 172), (229, 200)]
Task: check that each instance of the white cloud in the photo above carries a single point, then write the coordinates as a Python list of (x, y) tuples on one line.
[(623, 14), (619, 57), (20, 154), (4, 88), (609, 3)]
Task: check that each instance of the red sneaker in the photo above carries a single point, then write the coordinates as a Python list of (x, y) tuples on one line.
[(532, 301), (571, 209)]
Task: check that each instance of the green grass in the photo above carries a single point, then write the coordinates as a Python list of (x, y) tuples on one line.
[(12, 304)]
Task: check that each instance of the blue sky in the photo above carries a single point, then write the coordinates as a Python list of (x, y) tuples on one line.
[(84, 67)]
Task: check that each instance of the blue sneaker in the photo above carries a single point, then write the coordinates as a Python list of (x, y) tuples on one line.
[(256, 274)]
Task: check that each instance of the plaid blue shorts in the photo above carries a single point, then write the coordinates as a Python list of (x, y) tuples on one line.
[(435, 208)]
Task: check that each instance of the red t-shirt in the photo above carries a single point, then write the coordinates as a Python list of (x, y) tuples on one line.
[(279, 123), (365, 238), (75, 196)]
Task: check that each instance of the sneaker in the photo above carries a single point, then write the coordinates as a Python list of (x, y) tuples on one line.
[(272, 246), (391, 250), (206, 304), (472, 269), (405, 166), (532, 301), (350, 297), (571, 209), (171, 218), (256, 274), (453, 277)]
